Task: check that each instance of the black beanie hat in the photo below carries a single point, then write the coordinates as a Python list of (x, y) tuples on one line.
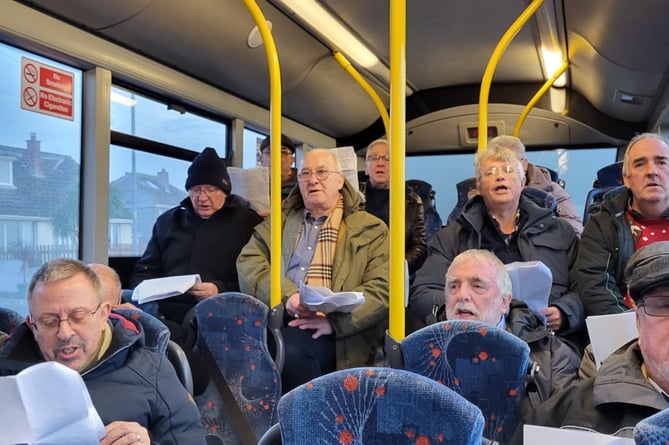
[(208, 169)]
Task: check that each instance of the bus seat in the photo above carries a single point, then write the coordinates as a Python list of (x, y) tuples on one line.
[(595, 197), (9, 320), (433, 220), (233, 327), (653, 430), (486, 365), (375, 406), (610, 175), (150, 308), (466, 189), (178, 359), (156, 334)]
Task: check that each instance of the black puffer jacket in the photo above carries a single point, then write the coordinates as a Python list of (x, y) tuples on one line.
[(606, 246), (377, 202), (543, 237)]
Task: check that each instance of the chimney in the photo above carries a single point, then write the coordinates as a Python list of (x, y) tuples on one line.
[(163, 180), (33, 157)]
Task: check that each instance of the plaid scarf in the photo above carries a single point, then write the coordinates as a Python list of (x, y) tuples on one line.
[(320, 269)]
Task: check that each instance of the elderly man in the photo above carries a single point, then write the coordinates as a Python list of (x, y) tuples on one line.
[(540, 178), (135, 391), (478, 287), (638, 214), (376, 191), (203, 235), (327, 241), (633, 382), (514, 228)]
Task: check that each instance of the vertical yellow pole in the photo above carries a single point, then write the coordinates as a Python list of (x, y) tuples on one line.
[(492, 64), (397, 154), (275, 147)]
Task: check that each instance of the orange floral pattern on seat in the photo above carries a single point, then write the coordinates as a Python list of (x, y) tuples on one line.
[(377, 406), (485, 364)]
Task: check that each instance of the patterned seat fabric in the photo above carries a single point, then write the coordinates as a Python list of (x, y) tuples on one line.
[(485, 364), (9, 320), (234, 326), (653, 430), (377, 406)]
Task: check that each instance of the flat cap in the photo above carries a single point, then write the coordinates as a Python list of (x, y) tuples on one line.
[(647, 269)]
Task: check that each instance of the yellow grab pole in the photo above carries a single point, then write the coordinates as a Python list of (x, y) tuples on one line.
[(492, 64), (397, 153), (344, 63), (275, 147), (536, 97)]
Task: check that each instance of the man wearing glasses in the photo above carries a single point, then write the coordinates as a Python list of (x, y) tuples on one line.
[(134, 390), (328, 241), (202, 235), (288, 173), (514, 227), (633, 382), (377, 196)]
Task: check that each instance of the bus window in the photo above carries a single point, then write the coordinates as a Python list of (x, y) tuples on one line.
[(40, 162)]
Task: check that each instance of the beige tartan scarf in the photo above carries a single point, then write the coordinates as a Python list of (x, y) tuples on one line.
[(320, 269)]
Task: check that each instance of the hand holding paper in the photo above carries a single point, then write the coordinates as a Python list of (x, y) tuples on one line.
[(161, 288), (322, 299)]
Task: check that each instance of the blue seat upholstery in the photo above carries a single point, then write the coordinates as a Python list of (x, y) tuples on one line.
[(156, 334), (377, 406), (610, 175), (9, 320), (150, 308), (486, 365), (653, 430), (464, 188), (234, 327), (433, 220)]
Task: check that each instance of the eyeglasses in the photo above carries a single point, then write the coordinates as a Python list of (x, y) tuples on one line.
[(284, 152), (377, 158), (207, 191), (496, 171), (656, 306), (321, 174), (78, 318)]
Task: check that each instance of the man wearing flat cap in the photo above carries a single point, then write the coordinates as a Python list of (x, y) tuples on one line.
[(203, 234), (633, 382)]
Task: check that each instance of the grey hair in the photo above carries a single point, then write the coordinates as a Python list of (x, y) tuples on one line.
[(62, 269), (498, 154), (505, 141), (501, 273), (634, 140)]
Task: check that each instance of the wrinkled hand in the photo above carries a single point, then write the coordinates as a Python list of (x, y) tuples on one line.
[(295, 309), (203, 290), (123, 433), (553, 318), (318, 322)]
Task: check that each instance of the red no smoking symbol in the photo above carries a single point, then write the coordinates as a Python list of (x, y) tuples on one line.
[(30, 73), (30, 96)]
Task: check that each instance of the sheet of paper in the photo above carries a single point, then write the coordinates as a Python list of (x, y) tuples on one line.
[(48, 403), (349, 164), (609, 332), (160, 288), (541, 435), (252, 184), (322, 299), (532, 282)]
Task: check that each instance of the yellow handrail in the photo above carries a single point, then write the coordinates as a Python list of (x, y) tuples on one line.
[(275, 149), (344, 63), (397, 153), (536, 97), (492, 64)]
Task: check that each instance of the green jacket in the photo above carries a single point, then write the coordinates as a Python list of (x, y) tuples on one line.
[(360, 264)]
